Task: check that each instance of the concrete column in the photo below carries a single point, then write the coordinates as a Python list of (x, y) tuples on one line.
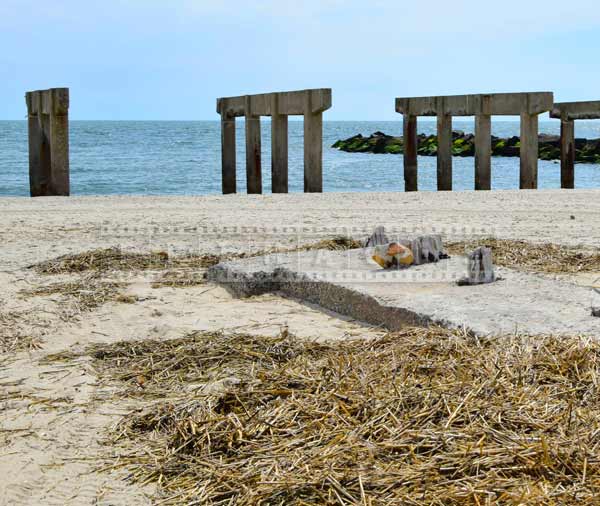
[(313, 148), (228, 157), (253, 154), (39, 157), (48, 126), (410, 153), (483, 152), (529, 152), (567, 153), (59, 154), (279, 149), (444, 154)]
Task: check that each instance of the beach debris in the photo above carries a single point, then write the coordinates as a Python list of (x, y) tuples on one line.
[(427, 249), (527, 256), (378, 238), (393, 255), (481, 268), (424, 413)]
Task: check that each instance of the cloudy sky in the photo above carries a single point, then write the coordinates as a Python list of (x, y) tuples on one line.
[(151, 59)]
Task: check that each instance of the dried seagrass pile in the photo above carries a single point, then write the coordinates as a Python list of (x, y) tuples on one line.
[(424, 416), (549, 258)]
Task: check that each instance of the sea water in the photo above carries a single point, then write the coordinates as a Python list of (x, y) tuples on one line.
[(184, 158)]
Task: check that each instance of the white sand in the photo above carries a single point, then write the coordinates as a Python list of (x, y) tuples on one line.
[(48, 454)]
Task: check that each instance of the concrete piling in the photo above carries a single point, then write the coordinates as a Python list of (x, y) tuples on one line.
[(48, 130), (279, 149), (528, 179), (444, 156), (228, 155), (410, 153), (567, 154), (308, 103), (568, 112), (483, 107), (483, 152)]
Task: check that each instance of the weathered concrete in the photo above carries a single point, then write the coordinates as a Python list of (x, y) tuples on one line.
[(495, 104), (480, 267), (444, 156), (482, 106), (253, 153), (576, 110), (228, 155), (48, 125), (351, 284), (279, 149), (410, 153), (307, 103), (567, 153), (568, 112), (528, 179), (483, 152)]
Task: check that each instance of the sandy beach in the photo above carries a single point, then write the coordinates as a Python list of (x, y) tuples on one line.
[(55, 415)]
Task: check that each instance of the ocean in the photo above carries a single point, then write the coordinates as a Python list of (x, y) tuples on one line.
[(184, 158)]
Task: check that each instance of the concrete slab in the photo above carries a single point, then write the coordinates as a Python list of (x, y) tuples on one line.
[(350, 283)]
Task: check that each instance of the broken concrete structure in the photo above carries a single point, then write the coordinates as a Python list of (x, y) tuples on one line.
[(483, 106), (480, 268), (48, 125), (349, 283), (307, 103), (568, 112)]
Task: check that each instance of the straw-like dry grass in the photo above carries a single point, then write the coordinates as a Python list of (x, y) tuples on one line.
[(114, 259), (180, 279), (83, 294), (424, 416), (549, 258), (14, 336)]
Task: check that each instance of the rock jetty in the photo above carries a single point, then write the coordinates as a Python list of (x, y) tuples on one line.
[(587, 150)]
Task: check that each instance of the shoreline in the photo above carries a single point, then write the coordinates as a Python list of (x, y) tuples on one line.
[(38, 229)]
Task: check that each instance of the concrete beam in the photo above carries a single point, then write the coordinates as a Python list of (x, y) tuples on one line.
[(499, 104), (290, 103), (48, 126), (576, 110)]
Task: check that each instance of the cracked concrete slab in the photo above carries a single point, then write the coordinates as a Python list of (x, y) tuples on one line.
[(350, 283)]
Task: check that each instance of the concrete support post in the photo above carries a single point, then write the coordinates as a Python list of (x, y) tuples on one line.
[(48, 126), (567, 153), (313, 148), (253, 151), (444, 154), (279, 149), (228, 157), (529, 152), (39, 158), (410, 153), (483, 152)]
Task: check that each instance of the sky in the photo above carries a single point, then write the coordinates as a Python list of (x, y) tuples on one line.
[(171, 59)]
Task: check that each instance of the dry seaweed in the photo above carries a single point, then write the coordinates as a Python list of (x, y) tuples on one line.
[(114, 259), (423, 416), (13, 334), (180, 279), (84, 294), (548, 258)]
